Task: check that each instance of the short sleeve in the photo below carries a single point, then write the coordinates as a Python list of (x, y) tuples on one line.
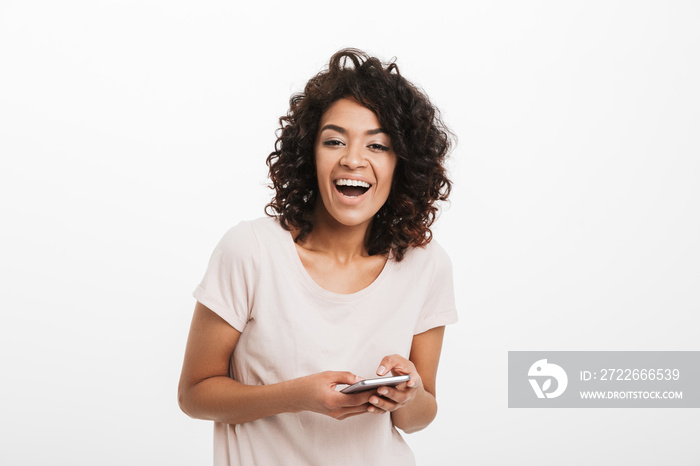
[(439, 307), (228, 284)]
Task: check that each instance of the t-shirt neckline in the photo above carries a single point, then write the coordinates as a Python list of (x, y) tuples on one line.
[(291, 248)]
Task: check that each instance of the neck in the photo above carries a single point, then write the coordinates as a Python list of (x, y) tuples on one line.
[(332, 238)]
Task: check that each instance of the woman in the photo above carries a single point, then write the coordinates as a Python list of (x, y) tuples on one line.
[(339, 283)]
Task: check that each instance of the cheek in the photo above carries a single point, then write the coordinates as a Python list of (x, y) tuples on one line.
[(390, 171), (387, 186)]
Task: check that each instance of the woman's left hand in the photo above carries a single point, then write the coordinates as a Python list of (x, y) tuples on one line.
[(392, 398)]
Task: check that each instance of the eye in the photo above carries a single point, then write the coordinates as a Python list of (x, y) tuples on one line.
[(332, 142), (380, 147)]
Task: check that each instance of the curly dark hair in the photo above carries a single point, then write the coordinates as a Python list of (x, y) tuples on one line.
[(420, 140)]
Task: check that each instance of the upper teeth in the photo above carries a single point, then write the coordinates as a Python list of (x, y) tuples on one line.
[(352, 183)]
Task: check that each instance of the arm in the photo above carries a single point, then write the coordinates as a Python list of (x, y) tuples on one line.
[(412, 405), (206, 392)]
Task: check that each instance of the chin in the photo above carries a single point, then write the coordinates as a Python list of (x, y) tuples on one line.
[(351, 220)]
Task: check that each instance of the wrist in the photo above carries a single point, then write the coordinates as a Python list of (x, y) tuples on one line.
[(295, 392)]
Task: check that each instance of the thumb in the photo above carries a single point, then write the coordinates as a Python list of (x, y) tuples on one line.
[(346, 378)]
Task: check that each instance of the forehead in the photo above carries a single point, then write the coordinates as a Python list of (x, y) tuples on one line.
[(349, 112)]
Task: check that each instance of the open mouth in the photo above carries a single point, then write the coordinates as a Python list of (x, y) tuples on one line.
[(351, 188)]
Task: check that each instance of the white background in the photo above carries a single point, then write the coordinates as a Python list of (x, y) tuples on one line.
[(134, 133)]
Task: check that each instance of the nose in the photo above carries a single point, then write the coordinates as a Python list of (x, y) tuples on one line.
[(353, 157)]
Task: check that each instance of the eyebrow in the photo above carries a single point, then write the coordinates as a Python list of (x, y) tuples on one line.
[(342, 130)]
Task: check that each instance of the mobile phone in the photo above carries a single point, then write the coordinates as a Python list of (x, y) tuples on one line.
[(371, 384)]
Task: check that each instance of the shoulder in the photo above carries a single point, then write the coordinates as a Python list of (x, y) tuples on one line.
[(432, 256), (240, 240), (240, 236), (246, 239)]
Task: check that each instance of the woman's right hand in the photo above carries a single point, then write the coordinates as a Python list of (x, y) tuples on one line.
[(318, 394)]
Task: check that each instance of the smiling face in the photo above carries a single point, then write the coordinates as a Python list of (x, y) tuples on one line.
[(355, 163)]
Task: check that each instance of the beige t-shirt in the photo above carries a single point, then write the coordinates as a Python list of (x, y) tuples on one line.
[(291, 327)]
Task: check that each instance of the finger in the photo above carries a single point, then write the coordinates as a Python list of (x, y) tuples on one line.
[(354, 411), (395, 364), (396, 395), (344, 377), (375, 410), (415, 382), (349, 400), (401, 366), (384, 404)]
